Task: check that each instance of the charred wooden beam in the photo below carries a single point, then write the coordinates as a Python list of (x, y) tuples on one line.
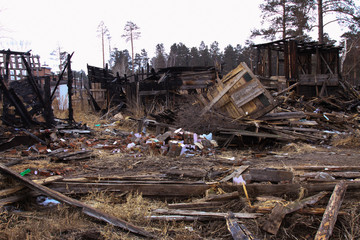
[(15, 101), (48, 112), (70, 92), (60, 77), (331, 212), (32, 82)]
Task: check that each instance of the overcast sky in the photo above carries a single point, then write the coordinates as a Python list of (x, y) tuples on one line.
[(43, 25)]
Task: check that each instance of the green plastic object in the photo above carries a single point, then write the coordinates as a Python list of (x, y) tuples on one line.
[(25, 172)]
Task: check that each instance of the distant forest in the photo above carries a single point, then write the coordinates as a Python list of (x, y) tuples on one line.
[(182, 56)]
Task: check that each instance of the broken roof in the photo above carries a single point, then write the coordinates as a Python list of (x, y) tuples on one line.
[(302, 46)]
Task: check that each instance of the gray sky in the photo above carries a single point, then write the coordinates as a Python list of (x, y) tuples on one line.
[(43, 25)]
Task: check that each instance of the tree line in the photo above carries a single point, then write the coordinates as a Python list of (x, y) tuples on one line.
[(182, 56)]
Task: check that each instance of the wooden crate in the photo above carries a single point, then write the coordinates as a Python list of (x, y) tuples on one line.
[(239, 94)]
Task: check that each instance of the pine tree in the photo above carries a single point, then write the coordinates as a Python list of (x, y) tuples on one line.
[(159, 61), (284, 18), (205, 59), (215, 53), (131, 33), (194, 57), (229, 59), (144, 58), (346, 13), (122, 61)]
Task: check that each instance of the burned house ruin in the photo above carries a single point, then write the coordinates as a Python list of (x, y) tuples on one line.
[(315, 67)]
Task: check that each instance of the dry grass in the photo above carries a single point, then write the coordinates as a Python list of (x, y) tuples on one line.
[(55, 223), (347, 141), (135, 209), (299, 148), (351, 223), (82, 112), (39, 164)]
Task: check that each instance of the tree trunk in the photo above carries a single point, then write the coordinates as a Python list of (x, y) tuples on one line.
[(284, 19), (320, 23), (132, 52), (102, 44)]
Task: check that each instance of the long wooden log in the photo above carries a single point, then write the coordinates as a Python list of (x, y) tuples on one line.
[(255, 190), (326, 168), (218, 215), (172, 218), (146, 188), (334, 174), (331, 212), (223, 197), (269, 175), (278, 213), (13, 190), (282, 115), (195, 205), (73, 202), (184, 189)]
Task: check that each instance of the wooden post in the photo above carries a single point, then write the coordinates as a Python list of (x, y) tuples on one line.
[(7, 71), (81, 92), (69, 85), (138, 98), (269, 61), (329, 218), (286, 60), (48, 113)]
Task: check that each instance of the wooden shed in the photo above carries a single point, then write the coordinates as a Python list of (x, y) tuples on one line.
[(239, 94), (315, 67)]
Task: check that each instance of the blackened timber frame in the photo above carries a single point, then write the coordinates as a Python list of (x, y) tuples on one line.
[(300, 59)]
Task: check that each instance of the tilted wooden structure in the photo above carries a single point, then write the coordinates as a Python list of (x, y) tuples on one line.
[(239, 94), (315, 67)]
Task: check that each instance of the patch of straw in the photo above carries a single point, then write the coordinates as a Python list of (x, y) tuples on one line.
[(298, 148)]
